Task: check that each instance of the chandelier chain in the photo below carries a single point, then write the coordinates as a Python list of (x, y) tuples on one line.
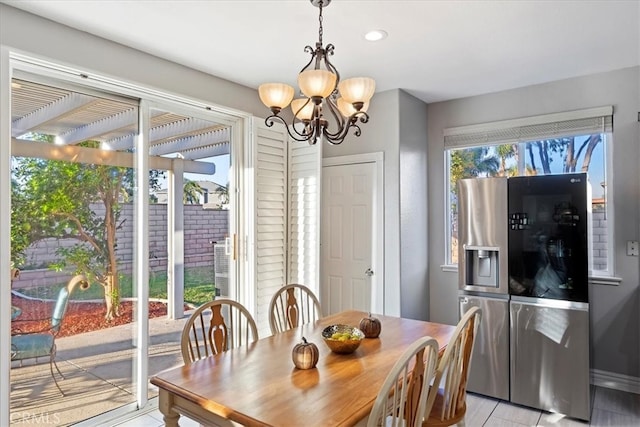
[(320, 29)]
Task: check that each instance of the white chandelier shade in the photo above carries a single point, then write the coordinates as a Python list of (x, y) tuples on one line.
[(277, 95), (347, 109), (357, 89), (319, 83)]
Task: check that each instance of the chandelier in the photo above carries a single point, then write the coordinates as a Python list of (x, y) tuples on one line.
[(328, 107)]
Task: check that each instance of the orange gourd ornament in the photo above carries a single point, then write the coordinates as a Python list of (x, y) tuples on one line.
[(305, 355), (370, 326)]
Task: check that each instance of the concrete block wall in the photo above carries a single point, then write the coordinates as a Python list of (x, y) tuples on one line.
[(599, 219), (201, 228)]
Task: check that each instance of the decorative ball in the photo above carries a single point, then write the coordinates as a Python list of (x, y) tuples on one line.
[(305, 355), (370, 326)]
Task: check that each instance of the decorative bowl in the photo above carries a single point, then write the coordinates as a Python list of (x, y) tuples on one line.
[(343, 339)]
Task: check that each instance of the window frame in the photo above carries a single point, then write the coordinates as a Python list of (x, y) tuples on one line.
[(474, 132)]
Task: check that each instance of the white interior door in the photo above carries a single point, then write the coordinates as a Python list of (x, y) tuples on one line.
[(348, 276)]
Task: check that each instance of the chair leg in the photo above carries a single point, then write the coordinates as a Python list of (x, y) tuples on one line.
[(52, 363)]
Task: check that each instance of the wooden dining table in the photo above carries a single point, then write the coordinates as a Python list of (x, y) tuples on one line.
[(258, 385)]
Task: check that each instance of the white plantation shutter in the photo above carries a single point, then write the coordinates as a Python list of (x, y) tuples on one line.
[(270, 206), (286, 212), (305, 163)]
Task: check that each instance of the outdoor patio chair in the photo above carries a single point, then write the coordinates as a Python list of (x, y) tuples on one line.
[(43, 343), (291, 306), (214, 327)]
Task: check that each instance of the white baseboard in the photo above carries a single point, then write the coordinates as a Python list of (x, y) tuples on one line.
[(616, 381)]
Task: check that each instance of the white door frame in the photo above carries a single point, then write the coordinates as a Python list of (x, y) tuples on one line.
[(377, 232)]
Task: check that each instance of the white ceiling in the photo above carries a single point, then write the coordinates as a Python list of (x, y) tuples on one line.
[(436, 50)]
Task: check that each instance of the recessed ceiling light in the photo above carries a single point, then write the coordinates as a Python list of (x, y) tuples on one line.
[(376, 35)]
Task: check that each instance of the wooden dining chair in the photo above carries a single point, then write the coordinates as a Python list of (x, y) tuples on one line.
[(291, 306), (448, 395), (214, 327), (402, 399)]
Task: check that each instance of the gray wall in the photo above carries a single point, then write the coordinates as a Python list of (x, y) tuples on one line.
[(615, 310), (397, 128), (381, 134), (414, 290)]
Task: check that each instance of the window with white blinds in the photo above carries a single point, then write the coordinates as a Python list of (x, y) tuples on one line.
[(557, 125)]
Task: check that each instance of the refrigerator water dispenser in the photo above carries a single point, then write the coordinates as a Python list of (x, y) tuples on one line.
[(482, 266)]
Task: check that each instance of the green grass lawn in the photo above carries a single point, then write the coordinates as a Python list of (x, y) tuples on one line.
[(198, 287)]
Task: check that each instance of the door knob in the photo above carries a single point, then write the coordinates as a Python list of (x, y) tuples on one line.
[(369, 272)]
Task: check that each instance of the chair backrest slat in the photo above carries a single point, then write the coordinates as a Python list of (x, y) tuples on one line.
[(215, 327), (453, 371), (402, 399), (291, 306)]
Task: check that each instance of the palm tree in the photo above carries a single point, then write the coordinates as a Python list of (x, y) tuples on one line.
[(192, 192), (223, 194), (505, 152)]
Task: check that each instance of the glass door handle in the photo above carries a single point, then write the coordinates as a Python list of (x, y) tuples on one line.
[(369, 272), (231, 246)]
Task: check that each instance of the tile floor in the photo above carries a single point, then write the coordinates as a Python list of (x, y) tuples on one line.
[(610, 408)]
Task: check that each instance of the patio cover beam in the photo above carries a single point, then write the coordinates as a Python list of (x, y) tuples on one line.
[(73, 153), (93, 130), (191, 142), (53, 112), (206, 152), (159, 134)]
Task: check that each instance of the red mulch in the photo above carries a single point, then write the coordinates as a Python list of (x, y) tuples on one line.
[(81, 316)]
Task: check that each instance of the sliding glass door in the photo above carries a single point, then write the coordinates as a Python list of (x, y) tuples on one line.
[(134, 197), (73, 239)]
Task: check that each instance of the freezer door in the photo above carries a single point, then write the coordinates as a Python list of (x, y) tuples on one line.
[(489, 374), (550, 357)]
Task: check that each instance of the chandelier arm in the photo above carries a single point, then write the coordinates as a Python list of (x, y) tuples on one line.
[(338, 137), (312, 52), (340, 120), (300, 137), (328, 51)]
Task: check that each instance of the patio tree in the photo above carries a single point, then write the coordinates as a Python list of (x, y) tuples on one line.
[(472, 162), (565, 148), (20, 227), (191, 192), (223, 194), (66, 200), (506, 152)]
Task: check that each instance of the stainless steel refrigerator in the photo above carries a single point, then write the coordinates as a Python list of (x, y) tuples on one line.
[(483, 279), (523, 258), (548, 283)]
